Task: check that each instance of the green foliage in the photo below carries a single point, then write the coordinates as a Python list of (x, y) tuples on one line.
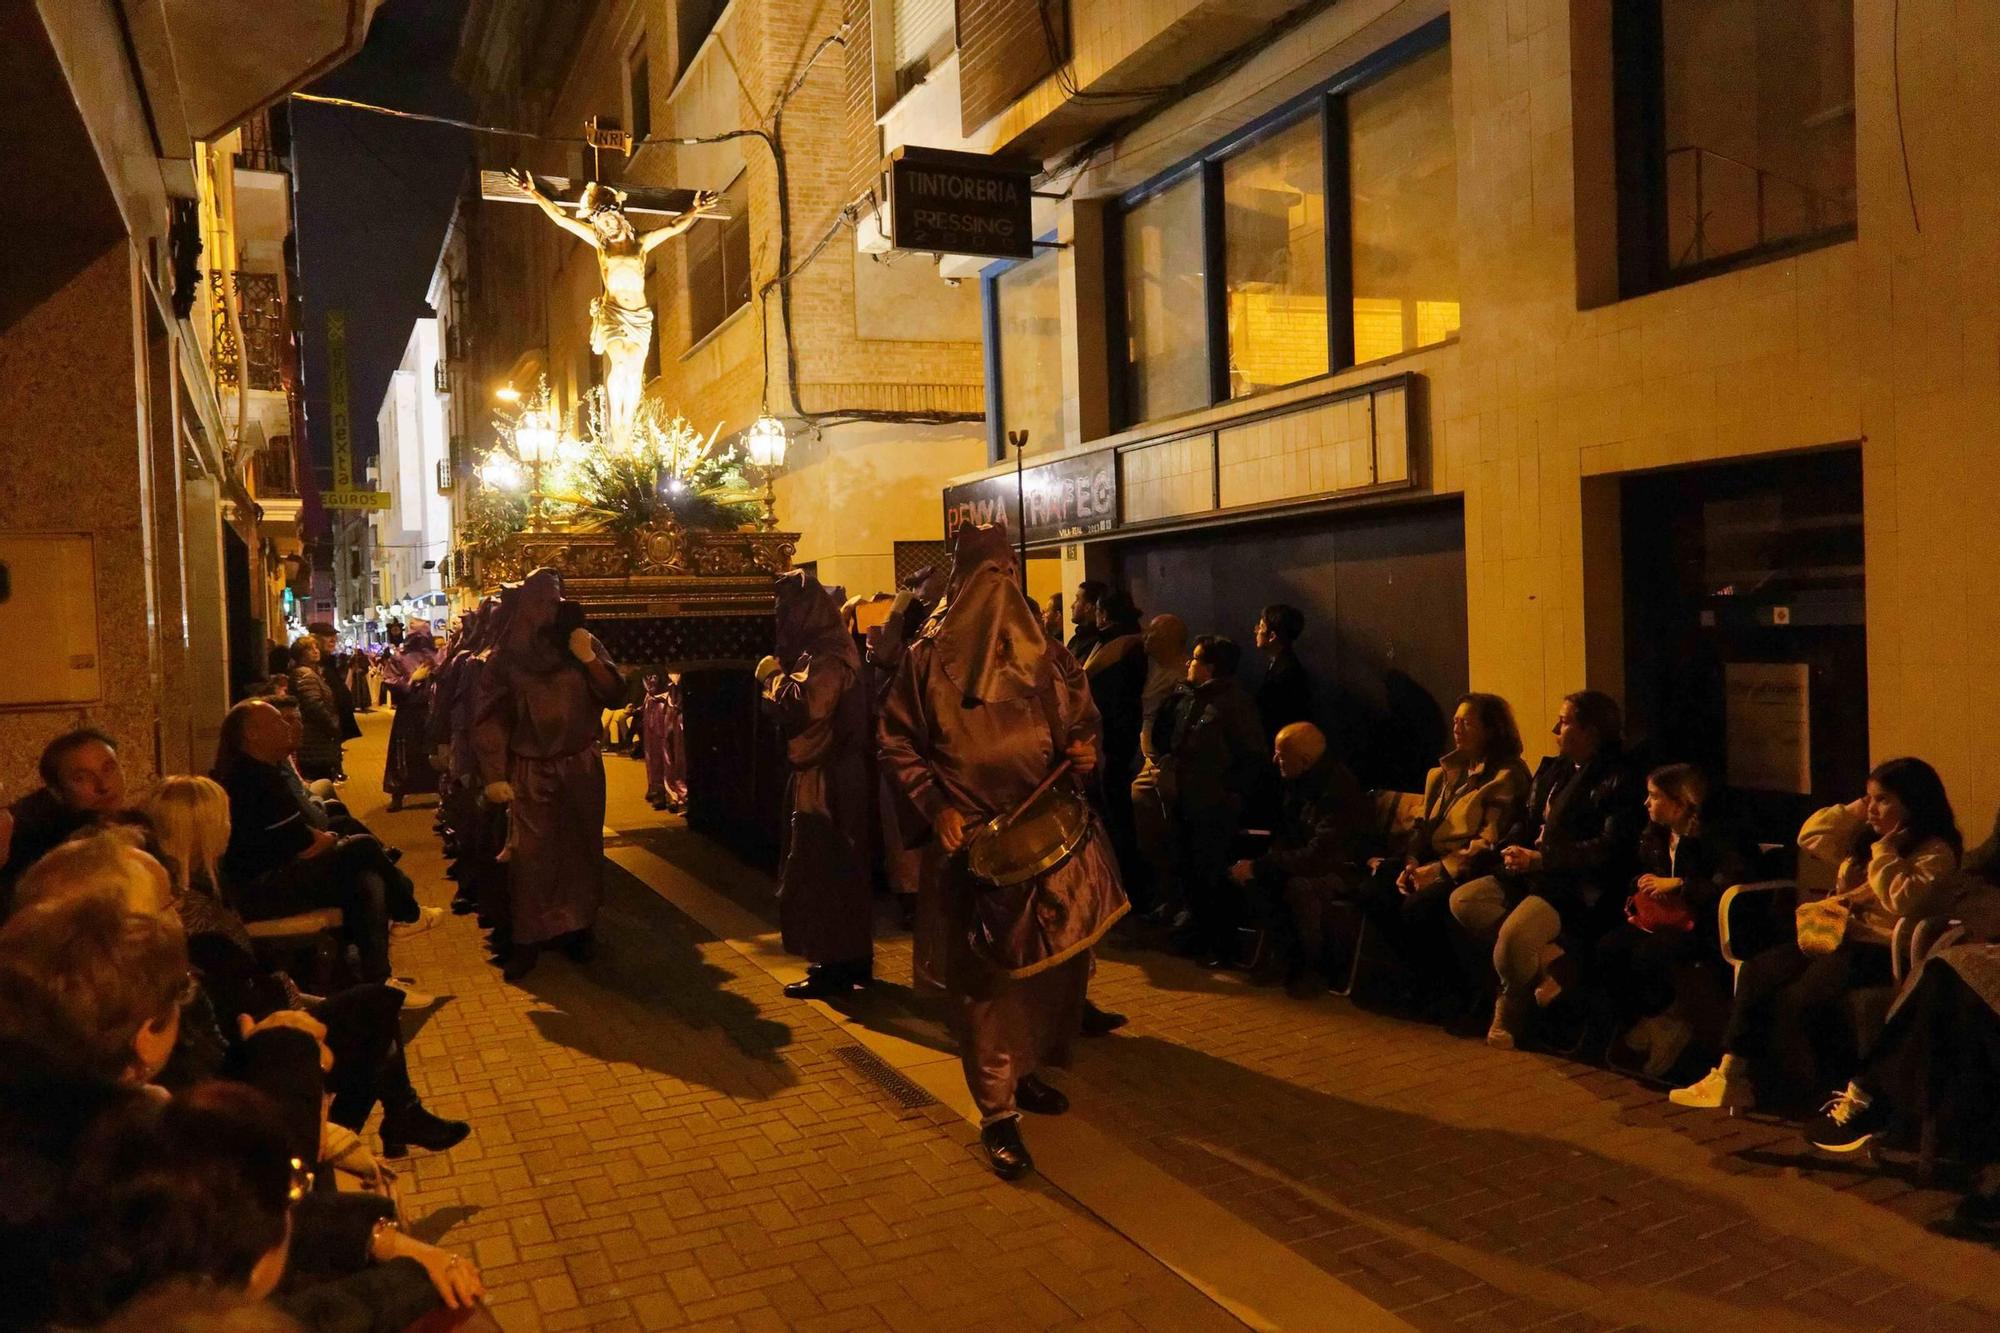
[(632, 490)]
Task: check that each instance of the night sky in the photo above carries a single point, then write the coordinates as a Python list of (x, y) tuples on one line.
[(375, 195)]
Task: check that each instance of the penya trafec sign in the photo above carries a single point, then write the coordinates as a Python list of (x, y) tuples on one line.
[(1064, 499), (954, 203)]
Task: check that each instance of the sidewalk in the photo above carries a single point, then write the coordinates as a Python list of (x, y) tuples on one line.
[(662, 1140)]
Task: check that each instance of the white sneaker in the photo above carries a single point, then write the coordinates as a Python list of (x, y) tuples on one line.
[(1718, 1091), (412, 997), (1661, 1039), (426, 918)]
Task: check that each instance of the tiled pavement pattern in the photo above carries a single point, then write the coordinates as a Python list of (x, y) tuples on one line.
[(663, 1141), (1465, 1188)]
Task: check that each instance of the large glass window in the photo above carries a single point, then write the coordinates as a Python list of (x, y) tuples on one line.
[(1280, 256), (1274, 238), (1166, 304), (1736, 132), (1402, 172), (1027, 313)]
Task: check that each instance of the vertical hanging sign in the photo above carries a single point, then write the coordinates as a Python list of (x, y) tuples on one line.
[(344, 494)]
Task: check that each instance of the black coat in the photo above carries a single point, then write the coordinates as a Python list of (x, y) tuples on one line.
[(1285, 695), (1325, 827), (1218, 754), (1586, 825)]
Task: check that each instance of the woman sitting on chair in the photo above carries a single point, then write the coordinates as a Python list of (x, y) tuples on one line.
[(1898, 850)]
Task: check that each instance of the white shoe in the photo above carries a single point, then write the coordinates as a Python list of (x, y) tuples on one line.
[(412, 997), (1718, 1091), (1661, 1039), (426, 918)]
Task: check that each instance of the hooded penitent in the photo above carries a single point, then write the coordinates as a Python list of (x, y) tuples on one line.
[(809, 623), (988, 640)]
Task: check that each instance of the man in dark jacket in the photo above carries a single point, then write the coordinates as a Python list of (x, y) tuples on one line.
[(1216, 756), (1285, 695), (1566, 866), (1083, 614), (1116, 669), (82, 784), (1319, 845)]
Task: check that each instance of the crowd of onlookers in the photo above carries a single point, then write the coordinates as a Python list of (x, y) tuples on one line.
[(1585, 906), (200, 1016)]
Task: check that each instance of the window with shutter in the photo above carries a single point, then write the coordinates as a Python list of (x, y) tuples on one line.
[(923, 37)]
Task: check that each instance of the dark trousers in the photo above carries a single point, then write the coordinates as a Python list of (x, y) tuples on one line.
[(363, 1032), (1790, 1007), (1635, 968), (354, 876), (1939, 1054), (1214, 902), (1418, 927)]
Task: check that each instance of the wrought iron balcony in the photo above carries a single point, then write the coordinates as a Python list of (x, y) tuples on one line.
[(261, 309)]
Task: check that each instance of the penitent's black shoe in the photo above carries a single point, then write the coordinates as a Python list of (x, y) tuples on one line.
[(830, 981), (1005, 1150), (1100, 1022), (1034, 1096), (521, 960), (580, 945)]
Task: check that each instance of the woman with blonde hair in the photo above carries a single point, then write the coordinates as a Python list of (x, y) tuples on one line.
[(190, 817)]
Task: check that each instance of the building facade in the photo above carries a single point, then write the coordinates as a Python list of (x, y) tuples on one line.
[(413, 535), (148, 501), (1527, 346), (873, 365)]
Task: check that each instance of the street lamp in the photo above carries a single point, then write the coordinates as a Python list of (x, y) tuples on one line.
[(507, 393), (536, 441), (765, 444)]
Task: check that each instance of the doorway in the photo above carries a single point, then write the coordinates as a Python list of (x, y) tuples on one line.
[(1745, 642)]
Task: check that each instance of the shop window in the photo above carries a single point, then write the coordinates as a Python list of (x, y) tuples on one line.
[(1274, 258), (1735, 133), (1321, 239), (1166, 303), (639, 91), (693, 21), (718, 263), (1402, 171), (1025, 326)]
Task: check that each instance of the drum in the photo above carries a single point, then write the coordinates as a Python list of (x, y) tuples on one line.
[(1031, 840)]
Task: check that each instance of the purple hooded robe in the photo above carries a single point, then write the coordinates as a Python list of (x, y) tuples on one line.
[(821, 702), (536, 728), (982, 705)]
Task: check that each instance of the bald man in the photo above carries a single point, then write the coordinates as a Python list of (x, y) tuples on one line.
[(1316, 851)]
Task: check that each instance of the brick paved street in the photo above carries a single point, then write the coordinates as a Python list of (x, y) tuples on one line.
[(663, 1140)]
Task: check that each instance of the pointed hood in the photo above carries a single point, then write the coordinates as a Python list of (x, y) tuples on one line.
[(989, 641), (809, 622)]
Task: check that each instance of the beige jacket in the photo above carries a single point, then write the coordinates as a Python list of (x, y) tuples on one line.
[(1887, 886), (1467, 811)]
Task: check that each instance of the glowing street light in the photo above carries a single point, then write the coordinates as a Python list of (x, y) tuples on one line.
[(765, 443), (507, 393)]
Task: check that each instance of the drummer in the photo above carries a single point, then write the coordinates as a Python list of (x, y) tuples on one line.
[(983, 708)]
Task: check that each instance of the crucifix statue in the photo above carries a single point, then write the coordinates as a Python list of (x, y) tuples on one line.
[(621, 323)]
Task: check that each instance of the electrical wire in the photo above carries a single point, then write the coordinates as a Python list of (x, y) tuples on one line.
[(1896, 78), (352, 105)]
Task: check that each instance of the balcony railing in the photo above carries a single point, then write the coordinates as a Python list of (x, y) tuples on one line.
[(273, 467), (441, 377), (259, 150), (261, 309), (444, 477)]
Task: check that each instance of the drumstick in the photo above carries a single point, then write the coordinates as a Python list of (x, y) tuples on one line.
[(1033, 796)]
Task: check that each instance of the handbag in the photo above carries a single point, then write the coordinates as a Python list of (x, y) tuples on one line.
[(1659, 915), (1822, 925)]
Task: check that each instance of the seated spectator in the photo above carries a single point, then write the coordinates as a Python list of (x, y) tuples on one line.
[(96, 986), (1285, 695), (191, 818), (319, 751), (277, 864), (82, 784), (1471, 800), (1216, 756), (1564, 867), (95, 991), (1319, 842), (1684, 866), (1898, 849)]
